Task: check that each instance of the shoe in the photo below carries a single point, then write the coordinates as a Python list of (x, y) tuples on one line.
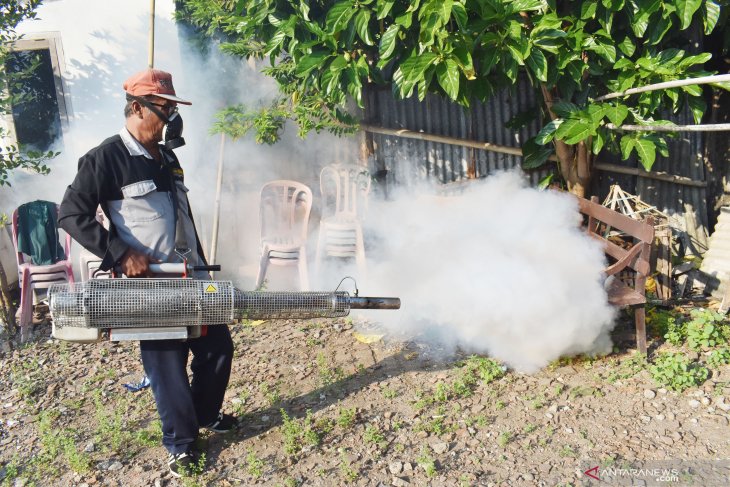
[(183, 464), (222, 424)]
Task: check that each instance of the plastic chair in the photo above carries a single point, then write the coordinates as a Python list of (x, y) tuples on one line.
[(344, 194), (284, 220), (32, 277)]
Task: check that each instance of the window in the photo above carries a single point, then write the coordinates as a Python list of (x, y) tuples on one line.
[(38, 121)]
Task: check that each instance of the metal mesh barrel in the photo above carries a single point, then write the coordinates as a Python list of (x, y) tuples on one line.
[(120, 303)]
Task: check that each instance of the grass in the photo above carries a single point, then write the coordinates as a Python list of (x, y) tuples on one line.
[(427, 463), (254, 465)]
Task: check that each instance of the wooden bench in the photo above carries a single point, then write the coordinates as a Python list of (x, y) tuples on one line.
[(632, 255)]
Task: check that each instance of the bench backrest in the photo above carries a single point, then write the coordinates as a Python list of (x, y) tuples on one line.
[(636, 257)]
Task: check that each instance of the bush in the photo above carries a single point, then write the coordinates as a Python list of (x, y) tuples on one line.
[(675, 371)]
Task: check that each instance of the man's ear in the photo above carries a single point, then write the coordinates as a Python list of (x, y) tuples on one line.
[(137, 108)]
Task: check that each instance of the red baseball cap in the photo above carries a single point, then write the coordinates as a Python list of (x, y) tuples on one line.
[(153, 82)]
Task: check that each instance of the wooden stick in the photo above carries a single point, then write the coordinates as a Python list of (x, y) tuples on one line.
[(151, 62), (217, 205), (710, 127)]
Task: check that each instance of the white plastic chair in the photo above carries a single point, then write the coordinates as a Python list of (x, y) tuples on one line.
[(284, 220), (32, 277), (344, 203)]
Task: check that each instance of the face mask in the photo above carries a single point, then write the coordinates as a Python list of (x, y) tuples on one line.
[(172, 133)]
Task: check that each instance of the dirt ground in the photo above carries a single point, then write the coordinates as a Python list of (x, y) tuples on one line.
[(317, 406)]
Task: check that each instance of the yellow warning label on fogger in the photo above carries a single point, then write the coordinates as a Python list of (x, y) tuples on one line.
[(211, 288)]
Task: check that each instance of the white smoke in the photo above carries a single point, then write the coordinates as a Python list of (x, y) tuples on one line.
[(502, 269)]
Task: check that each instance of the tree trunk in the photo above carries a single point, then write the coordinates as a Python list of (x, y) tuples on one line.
[(575, 161)]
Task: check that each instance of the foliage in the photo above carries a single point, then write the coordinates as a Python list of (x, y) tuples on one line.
[(719, 357), (667, 324), (706, 329), (323, 53), (298, 433), (12, 157), (675, 371)]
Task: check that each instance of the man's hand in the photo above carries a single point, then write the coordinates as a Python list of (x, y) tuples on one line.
[(135, 264)]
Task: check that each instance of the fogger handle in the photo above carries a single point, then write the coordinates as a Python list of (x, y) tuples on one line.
[(179, 268)]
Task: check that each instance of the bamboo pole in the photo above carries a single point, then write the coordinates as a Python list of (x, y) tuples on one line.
[(601, 166), (660, 176), (710, 127), (410, 134), (151, 61), (217, 206), (702, 80)]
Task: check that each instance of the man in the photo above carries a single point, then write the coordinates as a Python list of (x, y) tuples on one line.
[(133, 177)]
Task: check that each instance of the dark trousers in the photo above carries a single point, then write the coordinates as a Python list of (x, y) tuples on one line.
[(184, 406)]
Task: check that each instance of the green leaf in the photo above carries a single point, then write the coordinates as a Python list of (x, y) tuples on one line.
[(617, 113), (627, 145), (564, 109), (588, 9), (573, 130), (447, 74), (658, 30), (693, 60), (686, 10), (488, 61), (516, 50), (710, 15), (338, 64), (605, 50), (597, 111), (462, 18), (551, 40), (308, 63), (646, 149), (387, 41), (383, 7), (538, 64), (697, 106), (627, 47), (414, 67), (545, 182), (694, 90), (362, 19), (534, 155), (599, 140), (339, 16), (466, 64), (547, 133)]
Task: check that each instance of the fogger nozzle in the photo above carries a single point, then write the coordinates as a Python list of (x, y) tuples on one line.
[(119, 303)]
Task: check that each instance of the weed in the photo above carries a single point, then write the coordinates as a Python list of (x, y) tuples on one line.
[(327, 375), (346, 418), (675, 371), (538, 402), (290, 482), (428, 464), (706, 329), (500, 404), (504, 438), (550, 431), (374, 435), (349, 473), (481, 420), (558, 389), (486, 369), (271, 393), (441, 394), (254, 465), (27, 378), (389, 393), (530, 428), (111, 427), (399, 447), (668, 325), (297, 433), (312, 342), (719, 357), (582, 391), (151, 436), (12, 470), (59, 443), (567, 451)]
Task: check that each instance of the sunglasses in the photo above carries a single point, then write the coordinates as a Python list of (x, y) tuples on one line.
[(168, 109)]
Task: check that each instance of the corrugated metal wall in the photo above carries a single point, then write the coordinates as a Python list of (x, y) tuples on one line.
[(407, 161)]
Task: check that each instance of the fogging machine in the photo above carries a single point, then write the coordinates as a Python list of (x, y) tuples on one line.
[(169, 308)]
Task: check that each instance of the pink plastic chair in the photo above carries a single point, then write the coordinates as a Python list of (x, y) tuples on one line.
[(32, 277), (344, 201), (284, 220)]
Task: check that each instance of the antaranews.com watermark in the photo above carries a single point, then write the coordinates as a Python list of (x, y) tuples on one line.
[(659, 473)]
